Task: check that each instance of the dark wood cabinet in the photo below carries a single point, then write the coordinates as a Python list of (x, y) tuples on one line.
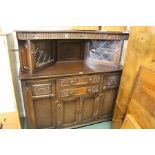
[(65, 83)]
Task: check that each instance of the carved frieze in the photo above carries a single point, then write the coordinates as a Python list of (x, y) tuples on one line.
[(112, 80), (72, 35), (41, 89)]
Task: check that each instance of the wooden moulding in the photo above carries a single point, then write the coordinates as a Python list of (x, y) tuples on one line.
[(35, 35)]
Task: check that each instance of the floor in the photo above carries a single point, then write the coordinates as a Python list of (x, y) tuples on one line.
[(102, 125)]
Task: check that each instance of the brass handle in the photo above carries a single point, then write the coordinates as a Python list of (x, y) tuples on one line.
[(90, 80), (89, 90), (104, 88), (72, 82), (71, 93)]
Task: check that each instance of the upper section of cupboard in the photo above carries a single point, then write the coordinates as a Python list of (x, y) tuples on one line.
[(38, 49)]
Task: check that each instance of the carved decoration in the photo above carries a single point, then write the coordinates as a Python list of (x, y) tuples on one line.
[(95, 89), (64, 82), (96, 79), (96, 108), (80, 80), (64, 93), (71, 35), (79, 91), (41, 89), (59, 114), (112, 80)]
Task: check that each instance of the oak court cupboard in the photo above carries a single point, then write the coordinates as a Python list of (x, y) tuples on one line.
[(69, 78)]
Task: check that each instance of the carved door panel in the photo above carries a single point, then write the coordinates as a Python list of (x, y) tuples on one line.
[(70, 50), (107, 103), (68, 112), (41, 104), (89, 108)]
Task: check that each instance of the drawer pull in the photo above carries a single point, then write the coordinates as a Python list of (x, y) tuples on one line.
[(71, 82), (113, 80), (90, 80), (104, 88), (72, 93), (43, 96), (89, 90)]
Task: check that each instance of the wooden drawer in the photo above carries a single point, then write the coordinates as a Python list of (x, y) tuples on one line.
[(79, 80), (79, 91), (42, 87), (111, 80)]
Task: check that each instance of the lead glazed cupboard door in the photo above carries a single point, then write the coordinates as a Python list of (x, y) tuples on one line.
[(40, 104)]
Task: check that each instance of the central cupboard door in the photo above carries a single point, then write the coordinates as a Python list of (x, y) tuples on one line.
[(89, 108), (68, 112), (72, 112)]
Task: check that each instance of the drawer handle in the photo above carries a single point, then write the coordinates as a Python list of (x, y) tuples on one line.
[(104, 88), (89, 90), (71, 82), (43, 96), (72, 93), (90, 80)]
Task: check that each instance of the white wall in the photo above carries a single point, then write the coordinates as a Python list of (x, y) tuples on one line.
[(7, 98), (15, 67)]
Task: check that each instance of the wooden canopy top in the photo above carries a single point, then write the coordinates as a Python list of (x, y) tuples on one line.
[(71, 34)]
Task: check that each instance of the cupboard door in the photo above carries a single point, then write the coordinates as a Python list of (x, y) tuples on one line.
[(107, 103), (67, 112), (44, 112), (41, 104), (89, 108)]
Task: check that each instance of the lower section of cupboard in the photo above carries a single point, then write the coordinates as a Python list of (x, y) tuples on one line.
[(71, 112), (81, 103)]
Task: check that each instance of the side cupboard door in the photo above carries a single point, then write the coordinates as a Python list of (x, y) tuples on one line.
[(40, 105), (109, 93)]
